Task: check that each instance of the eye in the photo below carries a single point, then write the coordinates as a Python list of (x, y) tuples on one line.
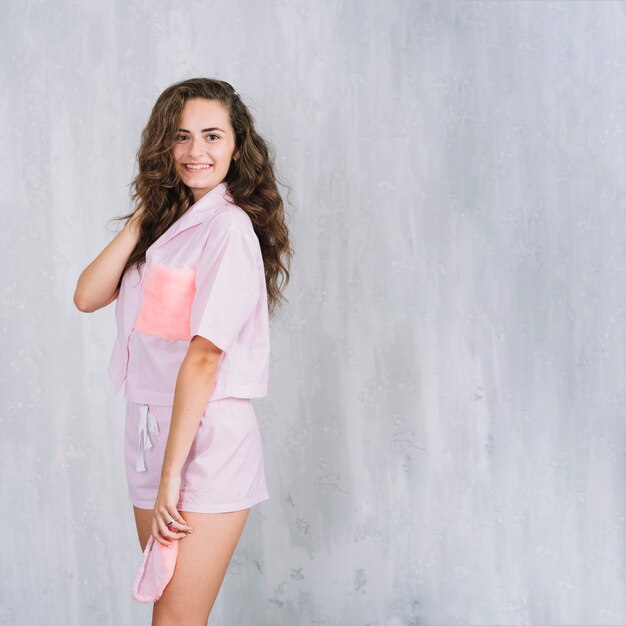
[(210, 136)]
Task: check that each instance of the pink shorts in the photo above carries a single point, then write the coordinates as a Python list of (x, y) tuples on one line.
[(224, 470)]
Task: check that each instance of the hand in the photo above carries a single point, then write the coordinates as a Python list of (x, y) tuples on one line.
[(165, 510), (134, 222)]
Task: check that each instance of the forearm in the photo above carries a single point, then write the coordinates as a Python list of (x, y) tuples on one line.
[(194, 386), (96, 286)]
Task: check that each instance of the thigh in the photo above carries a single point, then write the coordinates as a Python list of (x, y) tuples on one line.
[(143, 521), (202, 562)]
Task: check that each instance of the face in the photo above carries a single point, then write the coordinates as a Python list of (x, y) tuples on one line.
[(204, 145)]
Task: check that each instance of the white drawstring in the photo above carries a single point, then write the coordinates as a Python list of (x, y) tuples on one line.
[(147, 424)]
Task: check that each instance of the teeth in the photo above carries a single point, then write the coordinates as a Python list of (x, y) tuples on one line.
[(197, 167)]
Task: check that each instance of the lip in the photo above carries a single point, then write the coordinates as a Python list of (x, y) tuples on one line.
[(198, 167)]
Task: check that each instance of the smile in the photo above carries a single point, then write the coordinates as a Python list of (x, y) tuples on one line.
[(196, 168)]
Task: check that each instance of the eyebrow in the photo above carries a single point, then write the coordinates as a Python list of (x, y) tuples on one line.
[(204, 130)]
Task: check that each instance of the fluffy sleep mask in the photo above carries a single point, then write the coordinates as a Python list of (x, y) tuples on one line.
[(156, 570)]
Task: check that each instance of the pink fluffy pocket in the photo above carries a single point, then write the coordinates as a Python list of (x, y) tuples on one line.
[(165, 308)]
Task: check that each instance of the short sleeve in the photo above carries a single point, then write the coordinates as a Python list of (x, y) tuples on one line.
[(227, 287)]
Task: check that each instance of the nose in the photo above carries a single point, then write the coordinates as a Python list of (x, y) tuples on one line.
[(195, 148)]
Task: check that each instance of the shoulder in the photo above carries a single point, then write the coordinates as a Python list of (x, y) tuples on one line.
[(229, 219), (229, 227)]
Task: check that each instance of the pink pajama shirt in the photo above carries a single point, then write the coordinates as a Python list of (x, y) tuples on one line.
[(203, 276)]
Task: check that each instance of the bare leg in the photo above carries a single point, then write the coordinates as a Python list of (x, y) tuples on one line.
[(143, 520), (203, 559)]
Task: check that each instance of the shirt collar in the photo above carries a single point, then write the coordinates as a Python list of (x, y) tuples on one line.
[(195, 214)]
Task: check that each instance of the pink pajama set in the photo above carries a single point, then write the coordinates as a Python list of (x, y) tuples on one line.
[(203, 276)]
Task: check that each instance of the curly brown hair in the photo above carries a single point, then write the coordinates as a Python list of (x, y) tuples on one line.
[(161, 196)]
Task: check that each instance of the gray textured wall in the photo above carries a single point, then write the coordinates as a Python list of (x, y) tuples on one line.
[(444, 432)]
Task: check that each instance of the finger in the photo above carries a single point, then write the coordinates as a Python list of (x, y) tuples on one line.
[(173, 514), (179, 520), (165, 536), (156, 533), (166, 531)]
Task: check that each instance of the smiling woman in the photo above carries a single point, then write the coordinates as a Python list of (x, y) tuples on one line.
[(195, 274), (203, 154)]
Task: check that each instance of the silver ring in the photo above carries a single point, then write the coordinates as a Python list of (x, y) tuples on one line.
[(170, 522)]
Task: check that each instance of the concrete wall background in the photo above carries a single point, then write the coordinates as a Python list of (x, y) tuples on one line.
[(444, 432)]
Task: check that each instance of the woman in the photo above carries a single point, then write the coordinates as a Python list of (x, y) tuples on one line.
[(195, 273)]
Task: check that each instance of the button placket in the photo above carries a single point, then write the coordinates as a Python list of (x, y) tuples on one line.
[(144, 271)]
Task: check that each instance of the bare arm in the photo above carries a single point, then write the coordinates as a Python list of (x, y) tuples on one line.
[(97, 284), (194, 386)]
